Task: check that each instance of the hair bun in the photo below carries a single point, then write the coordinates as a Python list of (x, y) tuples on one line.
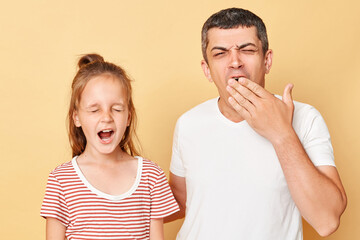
[(89, 58)]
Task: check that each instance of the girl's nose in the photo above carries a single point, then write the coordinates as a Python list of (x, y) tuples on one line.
[(106, 116)]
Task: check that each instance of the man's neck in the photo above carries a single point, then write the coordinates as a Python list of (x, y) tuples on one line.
[(228, 111)]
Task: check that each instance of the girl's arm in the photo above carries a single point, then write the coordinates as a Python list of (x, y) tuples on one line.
[(55, 230), (156, 229)]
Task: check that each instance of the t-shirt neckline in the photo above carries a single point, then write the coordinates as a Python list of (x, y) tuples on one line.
[(222, 117), (105, 195)]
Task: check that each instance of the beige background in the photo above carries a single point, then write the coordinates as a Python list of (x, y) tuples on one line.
[(316, 46)]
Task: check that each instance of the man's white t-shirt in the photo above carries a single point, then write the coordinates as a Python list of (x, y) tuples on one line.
[(236, 188)]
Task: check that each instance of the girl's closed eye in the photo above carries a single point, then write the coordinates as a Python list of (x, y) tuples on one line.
[(117, 109), (92, 110)]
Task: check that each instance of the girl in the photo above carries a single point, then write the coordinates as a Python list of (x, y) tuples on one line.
[(105, 192)]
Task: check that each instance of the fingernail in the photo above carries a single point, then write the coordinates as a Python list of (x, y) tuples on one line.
[(241, 80)]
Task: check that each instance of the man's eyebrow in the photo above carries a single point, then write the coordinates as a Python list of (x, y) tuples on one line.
[(219, 48), (245, 45), (237, 47)]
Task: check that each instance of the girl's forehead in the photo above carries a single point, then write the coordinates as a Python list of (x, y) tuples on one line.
[(103, 82), (104, 88)]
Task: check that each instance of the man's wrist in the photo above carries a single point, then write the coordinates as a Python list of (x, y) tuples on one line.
[(286, 137)]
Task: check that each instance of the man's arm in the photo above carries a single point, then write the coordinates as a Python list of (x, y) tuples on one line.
[(178, 187), (317, 192)]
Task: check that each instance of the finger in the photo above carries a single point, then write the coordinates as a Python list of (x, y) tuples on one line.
[(241, 110), (254, 87), (244, 102), (244, 91), (287, 95)]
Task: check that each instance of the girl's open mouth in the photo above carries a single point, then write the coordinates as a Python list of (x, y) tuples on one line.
[(105, 135)]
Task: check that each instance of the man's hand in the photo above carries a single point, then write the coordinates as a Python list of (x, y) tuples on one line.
[(265, 113)]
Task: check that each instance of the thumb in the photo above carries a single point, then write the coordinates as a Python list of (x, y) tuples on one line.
[(287, 98)]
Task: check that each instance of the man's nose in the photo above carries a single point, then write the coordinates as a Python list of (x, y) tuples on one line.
[(235, 59)]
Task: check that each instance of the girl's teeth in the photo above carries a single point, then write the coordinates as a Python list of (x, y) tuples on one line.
[(105, 135)]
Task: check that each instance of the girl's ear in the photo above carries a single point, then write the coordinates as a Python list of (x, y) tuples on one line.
[(128, 120), (76, 119)]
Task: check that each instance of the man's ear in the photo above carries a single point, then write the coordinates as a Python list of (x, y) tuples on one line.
[(206, 70), (268, 60), (76, 120)]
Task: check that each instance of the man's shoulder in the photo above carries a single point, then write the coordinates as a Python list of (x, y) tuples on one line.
[(305, 119), (197, 117), (200, 110), (304, 110)]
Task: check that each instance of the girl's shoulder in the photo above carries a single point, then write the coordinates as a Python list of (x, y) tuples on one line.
[(64, 168), (150, 166)]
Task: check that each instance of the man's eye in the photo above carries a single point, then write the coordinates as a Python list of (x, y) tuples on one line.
[(248, 50), (218, 54)]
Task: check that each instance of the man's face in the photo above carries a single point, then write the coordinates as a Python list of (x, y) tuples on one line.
[(234, 53)]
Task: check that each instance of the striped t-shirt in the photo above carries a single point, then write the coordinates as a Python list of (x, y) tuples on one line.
[(89, 213)]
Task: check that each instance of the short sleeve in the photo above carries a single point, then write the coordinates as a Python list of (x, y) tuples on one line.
[(163, 202), (54, 204), (176, 165), (317, 142)]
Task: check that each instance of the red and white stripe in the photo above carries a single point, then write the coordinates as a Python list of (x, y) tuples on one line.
[(88, 215)]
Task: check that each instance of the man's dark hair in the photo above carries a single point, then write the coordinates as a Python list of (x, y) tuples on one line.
[(233, 18)]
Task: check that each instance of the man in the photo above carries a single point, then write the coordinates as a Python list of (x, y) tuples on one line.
[(248, 165)]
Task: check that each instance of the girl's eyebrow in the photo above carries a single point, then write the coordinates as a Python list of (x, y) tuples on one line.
[(96, 105), (92, 105), (119, 104)]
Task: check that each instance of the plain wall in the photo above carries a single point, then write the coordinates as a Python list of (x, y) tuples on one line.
[(315, 43)]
